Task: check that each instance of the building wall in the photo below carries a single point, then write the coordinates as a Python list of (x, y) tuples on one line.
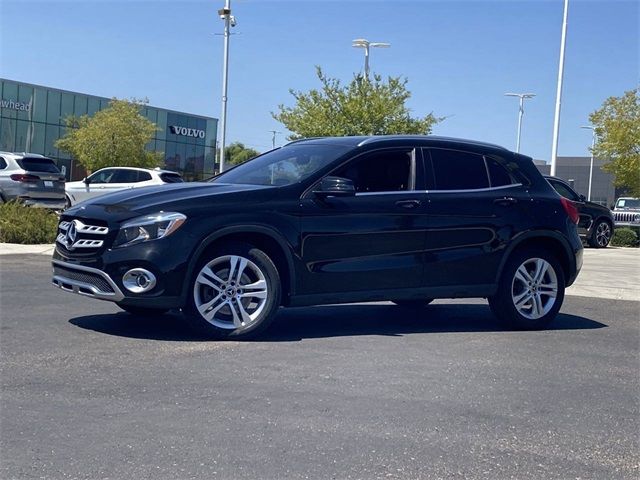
[(32, 118), (575, 170)]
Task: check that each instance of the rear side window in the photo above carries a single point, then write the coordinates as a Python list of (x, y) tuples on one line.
[(171, 178), (456, 170), (498, 175), (143, 176), (38, 165), (124, 176), (565, 191), (3, 163)]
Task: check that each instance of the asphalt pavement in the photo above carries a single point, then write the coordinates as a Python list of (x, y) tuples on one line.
[(347, 392)]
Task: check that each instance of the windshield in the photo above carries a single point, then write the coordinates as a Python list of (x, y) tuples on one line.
[(284, 166), (628, 203)]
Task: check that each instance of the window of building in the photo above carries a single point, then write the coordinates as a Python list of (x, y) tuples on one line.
[(80, 106), (456, 170), (39, 107), (22, 136), (10, 94), (66, 107), (52, 133), (93, 105), (53, 107), (8, 134), (25, 96), (387, 170)]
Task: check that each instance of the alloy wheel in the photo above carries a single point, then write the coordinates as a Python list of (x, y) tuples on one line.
[(603, 234), (534, 288), (230, 292)]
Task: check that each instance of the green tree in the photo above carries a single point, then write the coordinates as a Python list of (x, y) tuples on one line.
[(617, 126), (115, 136), (236, 153), (363, 107)]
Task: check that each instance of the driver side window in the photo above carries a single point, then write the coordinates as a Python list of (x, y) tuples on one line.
[(389, 170), (102, 176)]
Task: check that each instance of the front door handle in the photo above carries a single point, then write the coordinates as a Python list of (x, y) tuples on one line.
[(506, 201), (408, 203)]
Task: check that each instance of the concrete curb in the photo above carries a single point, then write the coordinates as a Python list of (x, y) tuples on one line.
[(20, 249)]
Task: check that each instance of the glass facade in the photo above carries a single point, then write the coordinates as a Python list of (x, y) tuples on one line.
[(33, 117)]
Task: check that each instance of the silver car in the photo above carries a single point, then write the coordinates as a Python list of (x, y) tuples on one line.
[(31, 179)]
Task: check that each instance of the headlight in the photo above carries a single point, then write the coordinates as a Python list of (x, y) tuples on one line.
[(149, 227), (636, 218)]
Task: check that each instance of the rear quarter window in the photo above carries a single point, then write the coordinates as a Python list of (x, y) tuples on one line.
[(171, 178), (38, 165)]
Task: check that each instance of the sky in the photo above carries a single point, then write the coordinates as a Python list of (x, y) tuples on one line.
[(459, 57)]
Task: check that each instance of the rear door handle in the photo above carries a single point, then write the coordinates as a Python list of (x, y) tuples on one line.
[(506, 201), (408, 203)]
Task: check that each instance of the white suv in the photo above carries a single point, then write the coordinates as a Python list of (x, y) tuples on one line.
[(113, 179)]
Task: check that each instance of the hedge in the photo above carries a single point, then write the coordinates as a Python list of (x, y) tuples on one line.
[(20, 224)]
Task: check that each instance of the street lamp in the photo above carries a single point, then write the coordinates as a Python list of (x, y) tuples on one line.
[(556, 117), (593, 144), (366, 44), (229, 21), (521, 96), (273, 137)]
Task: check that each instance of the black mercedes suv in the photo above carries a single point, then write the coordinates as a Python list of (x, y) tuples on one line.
[(330, 220)]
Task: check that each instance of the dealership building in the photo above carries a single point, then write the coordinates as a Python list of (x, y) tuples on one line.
[(32, 118)]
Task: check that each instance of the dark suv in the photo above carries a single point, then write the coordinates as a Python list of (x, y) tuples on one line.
[(596, 221), (330, 220)]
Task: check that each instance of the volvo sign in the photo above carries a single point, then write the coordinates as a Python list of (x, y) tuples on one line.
[(186, 132)]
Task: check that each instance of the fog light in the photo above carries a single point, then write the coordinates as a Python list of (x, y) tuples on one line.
[(139, 280)]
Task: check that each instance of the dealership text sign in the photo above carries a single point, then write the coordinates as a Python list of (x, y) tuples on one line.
[(25, 107), (186, 132)]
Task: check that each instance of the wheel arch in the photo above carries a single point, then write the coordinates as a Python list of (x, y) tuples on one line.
[(552, 241), (264, 238)]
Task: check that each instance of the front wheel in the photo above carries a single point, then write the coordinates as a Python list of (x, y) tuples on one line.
[(601, 234), (530, 291), (234, 293)]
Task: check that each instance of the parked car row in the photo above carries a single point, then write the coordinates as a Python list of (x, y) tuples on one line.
[(37, 181)]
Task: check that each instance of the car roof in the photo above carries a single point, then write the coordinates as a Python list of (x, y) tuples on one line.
[(22, 155), (427, 140)]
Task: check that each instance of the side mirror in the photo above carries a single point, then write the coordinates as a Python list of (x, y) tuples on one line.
[(86, 180), (335, 187)]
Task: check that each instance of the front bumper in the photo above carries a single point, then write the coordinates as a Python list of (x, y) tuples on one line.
[(87, 281)]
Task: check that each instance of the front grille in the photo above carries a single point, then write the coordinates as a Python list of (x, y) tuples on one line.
[(627, 217), (76, 236), (88, 278)]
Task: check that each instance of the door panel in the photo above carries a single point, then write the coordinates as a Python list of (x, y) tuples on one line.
[(366, 242)]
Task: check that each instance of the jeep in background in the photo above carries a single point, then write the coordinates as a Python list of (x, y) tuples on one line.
[(330, 220), (626, 213)]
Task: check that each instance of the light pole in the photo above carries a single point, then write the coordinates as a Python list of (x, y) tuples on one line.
[(229, 21), (273, 137), (593, 144), (521, 96), (556, 120), (366, 44)]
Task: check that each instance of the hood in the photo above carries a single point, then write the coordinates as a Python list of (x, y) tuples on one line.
[(174, 196)]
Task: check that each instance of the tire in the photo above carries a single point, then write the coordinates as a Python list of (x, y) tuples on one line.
[(530, 291), (422, 303), (143, 312), (234, 293), (601, 234)]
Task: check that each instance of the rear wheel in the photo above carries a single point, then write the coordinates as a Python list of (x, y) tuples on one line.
[(141, 311), (601, 234), (234, 293), (421, 303), (531, 290)]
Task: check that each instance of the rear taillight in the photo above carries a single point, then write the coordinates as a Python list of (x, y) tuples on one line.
[(571, 209), (24, 177)]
